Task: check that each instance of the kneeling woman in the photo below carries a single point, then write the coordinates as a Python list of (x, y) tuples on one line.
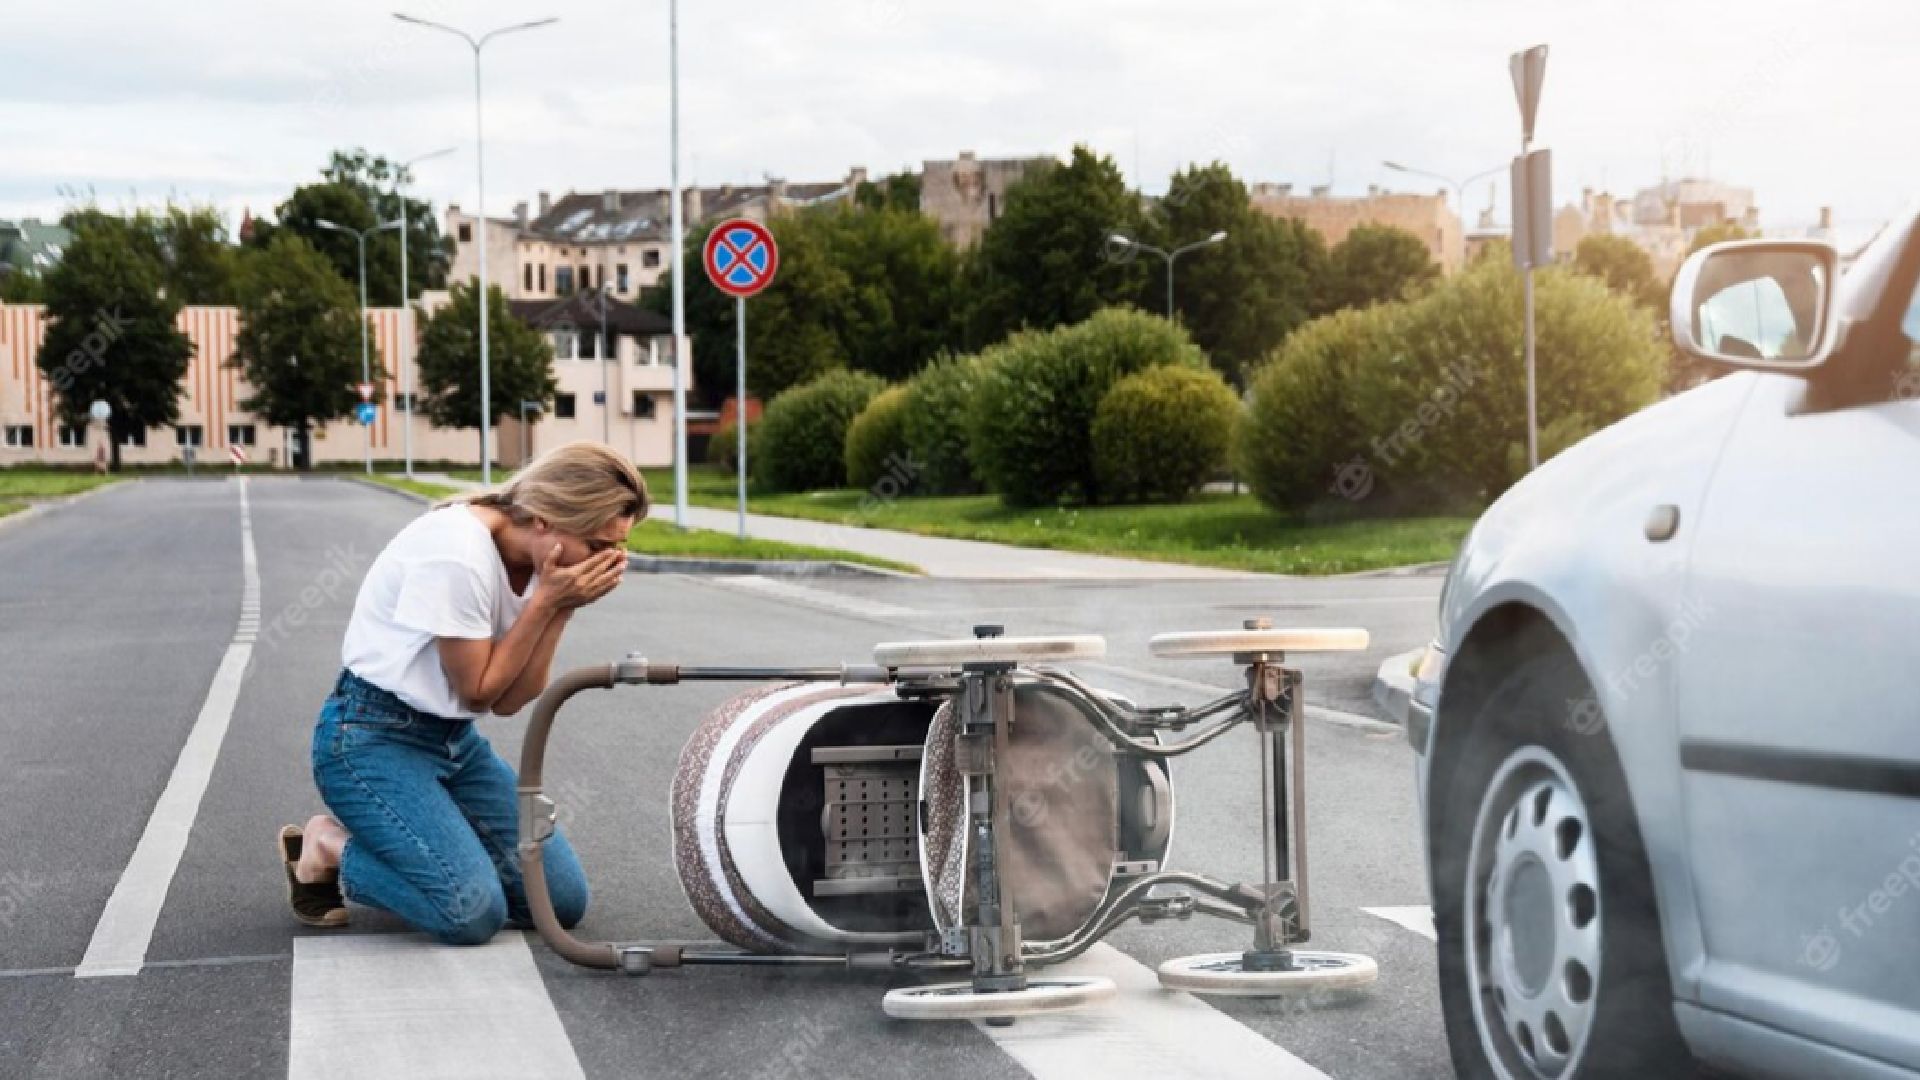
[(457, 619)]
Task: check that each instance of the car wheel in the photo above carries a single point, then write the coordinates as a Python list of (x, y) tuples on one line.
[(1552, 966)]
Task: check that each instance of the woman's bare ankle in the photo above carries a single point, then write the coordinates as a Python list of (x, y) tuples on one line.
[(320, 845)]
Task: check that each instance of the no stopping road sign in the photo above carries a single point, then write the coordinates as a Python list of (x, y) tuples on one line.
[(740, 257)]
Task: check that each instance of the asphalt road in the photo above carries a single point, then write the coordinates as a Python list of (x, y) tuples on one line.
[(116, 611)]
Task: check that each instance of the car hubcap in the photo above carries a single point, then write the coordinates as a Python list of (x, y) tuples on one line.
[(1533, 919)]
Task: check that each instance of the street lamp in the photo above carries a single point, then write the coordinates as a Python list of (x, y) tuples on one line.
[(366, 360), (679, 270), (1128, 242), (406, 301), (480, 167), (1459, 194)]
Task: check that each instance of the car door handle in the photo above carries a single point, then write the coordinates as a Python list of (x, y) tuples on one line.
[(1663, 523)]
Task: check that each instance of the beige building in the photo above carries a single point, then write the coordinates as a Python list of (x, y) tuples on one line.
[(213, 421), (617, 239), (1662, 220), (967, 194), (1334, 216)]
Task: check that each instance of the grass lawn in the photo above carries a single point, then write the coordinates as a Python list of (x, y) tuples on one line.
[(11, 508), (1229, 531), (661, 538), (29, 483)]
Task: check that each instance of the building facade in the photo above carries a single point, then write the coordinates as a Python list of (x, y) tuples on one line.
[(31, 246), (620, 240), (1662, 220), (967, 194), (1334, 216), (213, 419)]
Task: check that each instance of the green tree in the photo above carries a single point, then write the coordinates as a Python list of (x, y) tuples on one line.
[(197, 260), (1718, 234), (357, 191), (113, 336), (299, 342), (867, 289), (520, 361), (1624, 266), (898, 191), (1047, 260), (1375, 263), (800, 443), (21, 287), (1244, 296)]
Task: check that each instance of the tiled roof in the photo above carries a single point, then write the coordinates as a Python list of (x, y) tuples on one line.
[(583, 310)]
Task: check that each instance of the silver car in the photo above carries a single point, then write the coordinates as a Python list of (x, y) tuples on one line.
[(1669, 731)]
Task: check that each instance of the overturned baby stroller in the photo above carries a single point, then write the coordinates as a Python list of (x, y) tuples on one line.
[(965, 807)]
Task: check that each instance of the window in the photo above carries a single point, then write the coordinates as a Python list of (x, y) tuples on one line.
[(642, 405), (240, 435), (562, 280), (590, 345), (526, 278), (188, 435), (404, 403), (466, 232), (20, 436), (543, 277), (134, 439), (620, 277), (586, 278), (71, 436), (651, 259), (563, 406), (563, 344)]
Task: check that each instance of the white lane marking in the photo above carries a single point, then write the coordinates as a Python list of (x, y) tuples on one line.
[(1418, 919), (403, 1005), (778, 589), (1143, 1031), (120, 938)]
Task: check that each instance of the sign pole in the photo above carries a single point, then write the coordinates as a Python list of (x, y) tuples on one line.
[(740, 407), (1533, 201)]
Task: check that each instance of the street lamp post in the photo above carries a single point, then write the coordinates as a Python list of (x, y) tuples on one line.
[(680, 349), (406, 301), (1169, 256), (1459, 195), (366, 356), (480, 169)]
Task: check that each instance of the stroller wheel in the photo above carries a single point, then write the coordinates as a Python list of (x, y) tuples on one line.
[(1226, 974), (960, 1001)]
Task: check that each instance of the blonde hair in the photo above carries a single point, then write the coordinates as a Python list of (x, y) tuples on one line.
[(576, 488)]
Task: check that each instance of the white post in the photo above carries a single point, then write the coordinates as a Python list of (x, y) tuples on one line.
[(486, 356), (405, 359), (740, 408), (679, 270)]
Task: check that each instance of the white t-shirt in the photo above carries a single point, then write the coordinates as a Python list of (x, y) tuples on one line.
[(440, 577)]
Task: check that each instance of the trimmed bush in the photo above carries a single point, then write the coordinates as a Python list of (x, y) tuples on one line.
[(1160, 433), (877, 444), (1421, 404), (934, 424), (1297, 436), (801, 440), (1030, 425)]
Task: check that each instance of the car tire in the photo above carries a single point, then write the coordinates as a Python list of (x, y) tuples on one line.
[(1551, 961)]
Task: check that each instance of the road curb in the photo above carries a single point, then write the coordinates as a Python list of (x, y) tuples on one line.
[(668, 564), (1393, 684)]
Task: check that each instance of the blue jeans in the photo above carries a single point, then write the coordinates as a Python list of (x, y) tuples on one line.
[(433, 816)]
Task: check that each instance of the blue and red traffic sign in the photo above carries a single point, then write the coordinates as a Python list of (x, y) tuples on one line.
[(741, 258)]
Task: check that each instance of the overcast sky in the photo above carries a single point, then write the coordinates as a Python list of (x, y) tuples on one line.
[(232, 102)]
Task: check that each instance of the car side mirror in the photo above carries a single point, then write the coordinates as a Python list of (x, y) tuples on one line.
[(1767, 305)]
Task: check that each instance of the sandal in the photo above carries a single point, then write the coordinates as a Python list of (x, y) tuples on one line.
[(317, 903)]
